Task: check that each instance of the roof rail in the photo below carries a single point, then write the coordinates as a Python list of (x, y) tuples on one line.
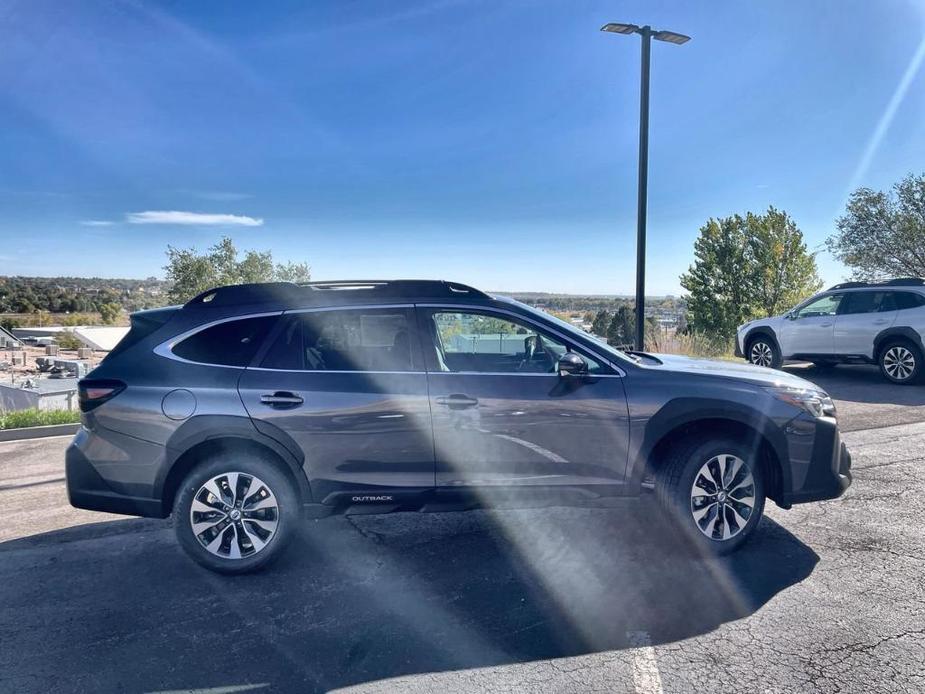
[(255, 293), (399, 288), (898, 282), (287, 292)]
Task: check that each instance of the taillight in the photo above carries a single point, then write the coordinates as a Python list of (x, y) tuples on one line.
[(94, 392)]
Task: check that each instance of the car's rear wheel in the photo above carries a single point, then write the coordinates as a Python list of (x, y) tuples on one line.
[(901, 362), (762, 351), (714, 491), (235, 513)]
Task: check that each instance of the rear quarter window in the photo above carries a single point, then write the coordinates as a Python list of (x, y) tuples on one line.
[(905, 300), (232, 343)]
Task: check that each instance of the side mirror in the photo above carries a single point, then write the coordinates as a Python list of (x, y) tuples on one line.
[(571, 364)]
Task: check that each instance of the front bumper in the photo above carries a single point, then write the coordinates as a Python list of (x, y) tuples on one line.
[(738, 349), (820, 463)]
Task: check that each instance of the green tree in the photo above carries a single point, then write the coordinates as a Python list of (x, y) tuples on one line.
[(293, 272), (601, 323), (784, 272), (746, 267), (109, 312), (485, 325), (882, 234), (68, 340), (718, 281), (190, 273), (622, 328)]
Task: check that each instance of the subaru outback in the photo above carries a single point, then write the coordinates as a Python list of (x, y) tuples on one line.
[(253, 406), (855, 322)]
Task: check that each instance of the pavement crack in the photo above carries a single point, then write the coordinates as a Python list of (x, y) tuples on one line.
[(888, 463), (375, 537)]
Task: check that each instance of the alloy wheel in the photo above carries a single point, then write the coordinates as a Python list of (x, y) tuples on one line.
[(234, 515), (761, 354), (899, 362), (723, 497)]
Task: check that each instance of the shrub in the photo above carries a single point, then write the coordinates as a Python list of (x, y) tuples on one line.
[(697, 344), (33, 418), (67, 340)]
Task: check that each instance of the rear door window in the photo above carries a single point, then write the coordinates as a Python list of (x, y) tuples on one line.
[(232, 343), (861, 302), (347, 340)]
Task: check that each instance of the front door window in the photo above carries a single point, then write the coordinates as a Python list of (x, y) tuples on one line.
[(823, 306), (483, 343)]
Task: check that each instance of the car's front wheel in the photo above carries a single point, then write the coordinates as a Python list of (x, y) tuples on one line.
[(901, 362), (235, 513), (714, 491), (762, 351)]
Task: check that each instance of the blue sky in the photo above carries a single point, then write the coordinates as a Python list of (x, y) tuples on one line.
[(492, 142)]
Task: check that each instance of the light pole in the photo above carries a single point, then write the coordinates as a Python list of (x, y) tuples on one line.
[(647, 34)]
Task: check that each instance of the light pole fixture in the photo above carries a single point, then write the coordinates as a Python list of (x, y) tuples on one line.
[(647, 34)]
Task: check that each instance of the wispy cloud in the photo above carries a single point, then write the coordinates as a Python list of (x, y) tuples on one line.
[(96, 223), (191, 218)]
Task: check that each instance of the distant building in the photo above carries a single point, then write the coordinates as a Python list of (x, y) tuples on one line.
[(44, 394), (8, 339), (97, 338)]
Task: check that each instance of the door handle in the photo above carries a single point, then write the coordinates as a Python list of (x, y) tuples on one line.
[(880, 322), (825, 325), (281, 398), (457, 401)]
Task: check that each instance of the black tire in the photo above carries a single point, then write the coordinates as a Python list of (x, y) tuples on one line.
[(674, 488), (278, 509), (901, 362), (763, 351)]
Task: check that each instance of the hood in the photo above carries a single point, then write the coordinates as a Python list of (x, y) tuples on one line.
[(740, 371)]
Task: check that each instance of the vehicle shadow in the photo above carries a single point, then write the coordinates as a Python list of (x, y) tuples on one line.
[(116, 606), (859, 383)]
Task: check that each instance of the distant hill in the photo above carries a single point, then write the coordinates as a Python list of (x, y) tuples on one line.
[(78, 294), (587, 303)]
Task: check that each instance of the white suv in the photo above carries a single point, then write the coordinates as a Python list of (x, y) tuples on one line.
[(856, 322)]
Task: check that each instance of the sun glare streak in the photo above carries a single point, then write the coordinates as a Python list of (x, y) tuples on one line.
[(883, 125)]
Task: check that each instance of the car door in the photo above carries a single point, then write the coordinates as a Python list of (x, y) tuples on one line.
[(861, 315), (502, 415), (810, 329), (348, 387)]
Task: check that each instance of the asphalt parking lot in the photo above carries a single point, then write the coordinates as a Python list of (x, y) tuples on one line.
[(827, 597)]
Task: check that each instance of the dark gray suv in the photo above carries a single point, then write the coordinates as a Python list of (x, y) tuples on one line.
[(254, 405)]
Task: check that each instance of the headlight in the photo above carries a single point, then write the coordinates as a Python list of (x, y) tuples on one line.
[(815, 402)]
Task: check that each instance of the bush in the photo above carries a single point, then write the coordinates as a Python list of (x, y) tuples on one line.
[(68, 340), (34, 418), (73, 319), (696, 344)]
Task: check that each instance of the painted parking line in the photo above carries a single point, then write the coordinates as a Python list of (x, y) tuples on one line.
[(646, 677)]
